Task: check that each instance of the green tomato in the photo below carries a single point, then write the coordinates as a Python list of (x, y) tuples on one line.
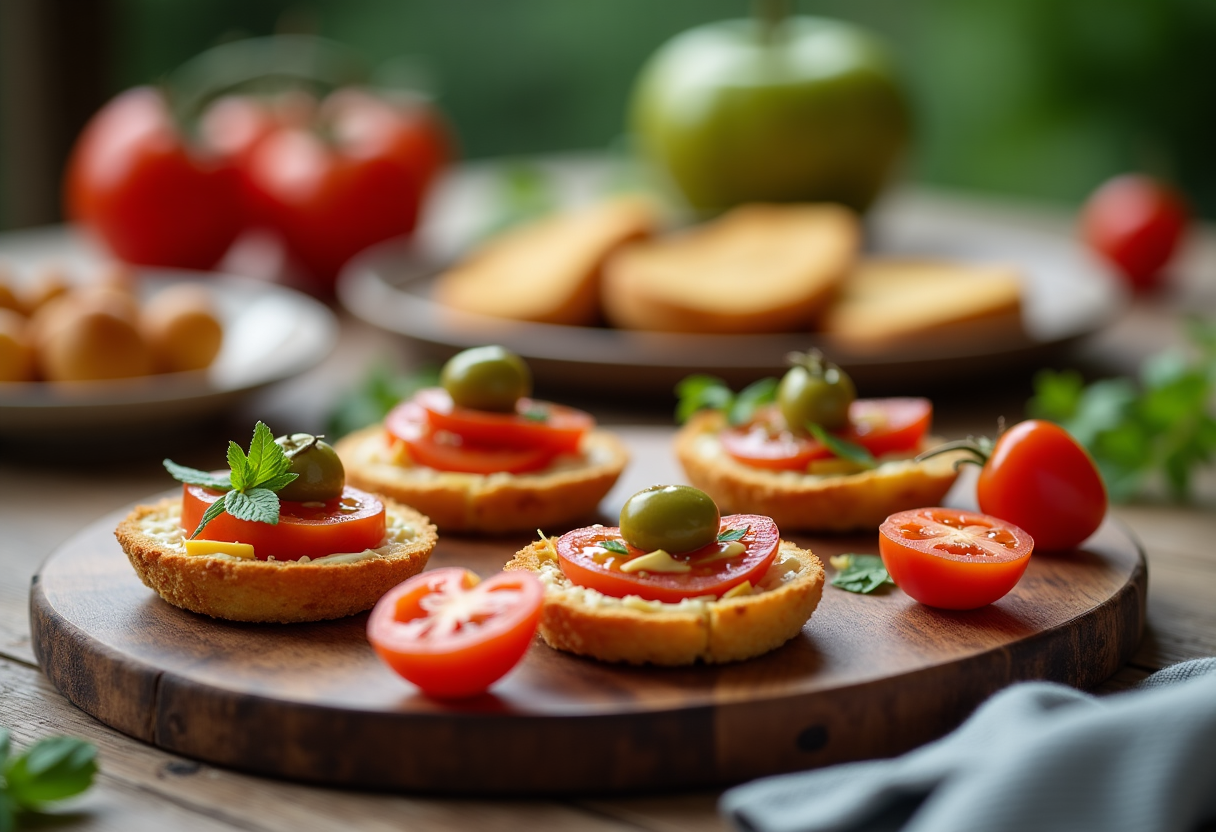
[(807, 109), (677, 518), (321, 475), (816, 392), (486, 378)]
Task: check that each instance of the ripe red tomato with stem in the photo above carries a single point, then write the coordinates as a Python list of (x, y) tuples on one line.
[(1038, 477), (453, 635), (953, 559), (152, 199), (1136, 223)]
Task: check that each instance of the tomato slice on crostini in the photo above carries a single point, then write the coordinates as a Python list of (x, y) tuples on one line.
[(881, 426), (534, 424), (596, 557), (351, 523)]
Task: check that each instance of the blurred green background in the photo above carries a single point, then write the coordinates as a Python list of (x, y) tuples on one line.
[(1034, 98)]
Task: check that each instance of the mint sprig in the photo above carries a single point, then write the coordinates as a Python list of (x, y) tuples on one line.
[(52, 769), (863, 574), (250, 486)]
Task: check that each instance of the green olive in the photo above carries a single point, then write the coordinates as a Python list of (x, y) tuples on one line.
[(486, 378), (678, 518), (321, 475), (815, 391)]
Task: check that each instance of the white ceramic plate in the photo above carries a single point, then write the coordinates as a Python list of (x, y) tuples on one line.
[(270, 334)]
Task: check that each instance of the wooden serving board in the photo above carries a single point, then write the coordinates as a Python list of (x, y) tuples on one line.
[(868, 676)]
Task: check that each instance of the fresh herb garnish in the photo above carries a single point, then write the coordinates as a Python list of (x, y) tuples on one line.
[(379, 392), (251, 484), (860, 573), (614, 546), (51, 769), (702, 392), (731, 535), (842, 447), (536, 413), (1163, 425)]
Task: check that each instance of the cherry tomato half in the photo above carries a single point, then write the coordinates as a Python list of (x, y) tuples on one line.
[(1136, 223), (534, 424), (953, 559), (587, 563), (881, 426), (407, 423), (351, 523), (453, 636), (1039, 478)]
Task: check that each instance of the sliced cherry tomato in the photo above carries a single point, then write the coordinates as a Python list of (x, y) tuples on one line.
[(453, 636), (1039, 478), (352, 523), (445, 451), (587, 563), (1136, 223), (953, 559), (534, 423), (881, 426)]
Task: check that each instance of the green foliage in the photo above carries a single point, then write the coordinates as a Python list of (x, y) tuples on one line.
[(379, 391), (863, 574), (52, 769), (702, 392)]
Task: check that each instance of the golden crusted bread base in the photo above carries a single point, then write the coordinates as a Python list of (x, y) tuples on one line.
[(270, 591), (759, 268), (635, 631), (486, 503), (837, 503)]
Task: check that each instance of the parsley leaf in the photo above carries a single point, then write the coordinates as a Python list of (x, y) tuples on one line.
[(842, 448), (863, 574), (732, 534), (614, 546), (53, 768)]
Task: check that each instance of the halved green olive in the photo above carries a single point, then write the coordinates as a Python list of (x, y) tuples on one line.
[(486, 378), (321, 475), (815, 391), (677, 518)]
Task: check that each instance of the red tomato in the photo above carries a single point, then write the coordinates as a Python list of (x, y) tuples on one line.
[(881, 426), (952, 559), (355, 177), (561, 429), (153, 201), (588, 564), (452, 636), (1039, 478), (445, 451), (1135, 222), (351, 523)]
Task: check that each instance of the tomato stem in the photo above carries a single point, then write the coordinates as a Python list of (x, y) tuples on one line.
[(978, 450)]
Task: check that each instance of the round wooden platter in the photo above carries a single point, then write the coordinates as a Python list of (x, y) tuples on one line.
[(868, 676)]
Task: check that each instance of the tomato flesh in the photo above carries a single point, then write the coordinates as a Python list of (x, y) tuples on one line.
[(881, 426), (585, 561), (351, 523), (953, 559), (452, 635)]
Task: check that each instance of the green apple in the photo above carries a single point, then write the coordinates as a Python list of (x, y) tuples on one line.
[(800, 109)]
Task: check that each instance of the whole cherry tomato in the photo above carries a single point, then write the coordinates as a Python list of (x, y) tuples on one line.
[(152, 199), (1136, 223), (453, 635), (953, 559)]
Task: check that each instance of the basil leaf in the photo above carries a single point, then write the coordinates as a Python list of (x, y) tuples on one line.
[(614, 546), (864, 574), (193, 476), (260, 505), (842, 447), (732, 534), (213, 511), (52, 769), (701, 392), (750, 399)]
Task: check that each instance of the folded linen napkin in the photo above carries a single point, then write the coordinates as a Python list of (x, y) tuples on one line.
[(1035, 756)]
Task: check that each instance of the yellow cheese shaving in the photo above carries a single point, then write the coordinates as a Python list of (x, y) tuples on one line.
[(199, 548), (656, 561), (744, 588), (728, 551), (840, 562), (550, 548)]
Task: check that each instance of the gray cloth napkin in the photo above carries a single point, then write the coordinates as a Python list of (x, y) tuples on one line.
[(1035, 756)]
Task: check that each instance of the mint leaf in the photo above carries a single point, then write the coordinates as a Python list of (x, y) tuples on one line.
[(279, 482), (213, 511), (267, 458), (257, 504), (242, 471), (52, 769), (864, 574), (750, 399), (614, 546), (193, 476), (842, 448), (732, 534), (701, 392)]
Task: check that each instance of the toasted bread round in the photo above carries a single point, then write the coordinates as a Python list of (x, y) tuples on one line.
[(823, 503), (636, 631), (760, 268), (281, 592), (569, 489)]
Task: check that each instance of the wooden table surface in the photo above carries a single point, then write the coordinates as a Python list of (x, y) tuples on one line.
[(49, 493)]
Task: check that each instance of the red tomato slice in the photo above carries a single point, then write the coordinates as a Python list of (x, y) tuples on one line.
[(351, 523), (453, 636), (953, 559), (585, 562), (881, 426), (561, 429), (445, 451)]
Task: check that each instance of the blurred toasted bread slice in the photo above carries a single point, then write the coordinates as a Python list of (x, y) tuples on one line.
[(885, 301), (547, 271), (759, 268)]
